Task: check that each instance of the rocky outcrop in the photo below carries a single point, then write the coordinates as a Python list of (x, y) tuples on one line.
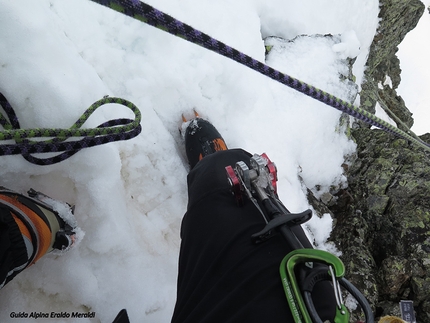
[(382, 220), (382, 75)]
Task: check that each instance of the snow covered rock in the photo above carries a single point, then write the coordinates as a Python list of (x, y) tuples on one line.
[(382, 219), (397, 19)]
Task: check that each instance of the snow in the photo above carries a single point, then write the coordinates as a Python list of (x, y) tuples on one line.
[(58, 57), (349, 46)]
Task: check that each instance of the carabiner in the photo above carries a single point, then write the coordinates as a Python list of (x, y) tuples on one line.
[(291, 285)]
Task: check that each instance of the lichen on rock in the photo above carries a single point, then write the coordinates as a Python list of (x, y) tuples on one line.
[(382, 219)]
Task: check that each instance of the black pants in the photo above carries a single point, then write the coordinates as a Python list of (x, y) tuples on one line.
[(223, 276)]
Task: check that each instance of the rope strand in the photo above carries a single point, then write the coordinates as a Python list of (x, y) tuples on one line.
[(110, 131), (149, 15)]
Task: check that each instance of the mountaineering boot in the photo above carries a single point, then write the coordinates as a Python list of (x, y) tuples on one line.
[(30, 228), (202, 139)]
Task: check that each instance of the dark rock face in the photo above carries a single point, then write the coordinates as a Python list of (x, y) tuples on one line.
[(382, 220), (398, 17)]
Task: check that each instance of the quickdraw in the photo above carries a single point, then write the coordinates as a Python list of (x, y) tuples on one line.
[(258, 183)]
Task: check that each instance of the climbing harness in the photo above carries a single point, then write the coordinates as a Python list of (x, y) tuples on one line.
[(151, 16), (258, 184), (59, 140)]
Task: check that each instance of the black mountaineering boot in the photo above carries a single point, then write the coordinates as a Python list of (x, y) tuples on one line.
[(202, 139)]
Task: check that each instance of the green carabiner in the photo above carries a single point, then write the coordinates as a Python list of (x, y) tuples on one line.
[(290, 284), (342, 315)]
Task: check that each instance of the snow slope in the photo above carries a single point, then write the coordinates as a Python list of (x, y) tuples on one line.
[(59, 56)]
